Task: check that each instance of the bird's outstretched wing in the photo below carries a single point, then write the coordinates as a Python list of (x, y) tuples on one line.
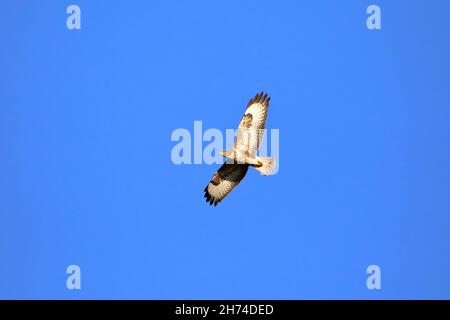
[(251, 127), (258, 107), (223, 181)]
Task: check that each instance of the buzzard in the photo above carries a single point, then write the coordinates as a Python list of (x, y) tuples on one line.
[(243, 153)]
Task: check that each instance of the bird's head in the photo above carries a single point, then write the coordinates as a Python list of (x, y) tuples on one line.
[(226, 153)]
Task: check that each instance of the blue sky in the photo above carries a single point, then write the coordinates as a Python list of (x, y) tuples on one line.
[(86, 118)]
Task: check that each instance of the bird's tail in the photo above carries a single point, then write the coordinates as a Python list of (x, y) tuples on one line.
[(268, 164)]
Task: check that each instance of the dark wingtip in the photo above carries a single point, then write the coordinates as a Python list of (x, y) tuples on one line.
[(260, 97), (210, 198)]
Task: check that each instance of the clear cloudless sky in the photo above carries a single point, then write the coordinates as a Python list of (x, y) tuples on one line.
[(86, 118)]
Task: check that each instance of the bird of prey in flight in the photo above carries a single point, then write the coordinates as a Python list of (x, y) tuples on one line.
[(243, 153)]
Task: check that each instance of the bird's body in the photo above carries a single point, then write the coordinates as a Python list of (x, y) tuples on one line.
[(244, 152)]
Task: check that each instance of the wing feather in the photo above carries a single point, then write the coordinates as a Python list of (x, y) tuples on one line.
[(251, 127), (224, 181), (258, 108)]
